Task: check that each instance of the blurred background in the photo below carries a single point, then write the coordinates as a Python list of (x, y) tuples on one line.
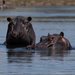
[(29, 3)]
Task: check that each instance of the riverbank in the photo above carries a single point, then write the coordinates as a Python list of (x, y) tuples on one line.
[(36, 3), (42, 14)]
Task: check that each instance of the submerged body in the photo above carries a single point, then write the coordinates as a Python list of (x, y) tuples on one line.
[(54, 42), (20, 32)]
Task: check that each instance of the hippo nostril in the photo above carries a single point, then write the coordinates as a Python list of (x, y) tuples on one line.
[(14, 34)]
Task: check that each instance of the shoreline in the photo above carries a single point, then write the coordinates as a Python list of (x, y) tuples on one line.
[(36, 3), (45, 19)]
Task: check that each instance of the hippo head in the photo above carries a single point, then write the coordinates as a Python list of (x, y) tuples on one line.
[(47, 41), (54, 41), (18, 26), (58, 41)]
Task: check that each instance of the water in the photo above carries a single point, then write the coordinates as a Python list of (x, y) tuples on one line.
[(38, 62), (41, 11)]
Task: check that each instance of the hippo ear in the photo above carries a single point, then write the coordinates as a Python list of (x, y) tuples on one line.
[(62, 34), (9, 19), (29, 19)]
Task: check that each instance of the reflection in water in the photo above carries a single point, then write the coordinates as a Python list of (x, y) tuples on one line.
[(24, 56), (54, 53)]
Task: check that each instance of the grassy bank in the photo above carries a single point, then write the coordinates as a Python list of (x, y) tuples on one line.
[(29, 3)]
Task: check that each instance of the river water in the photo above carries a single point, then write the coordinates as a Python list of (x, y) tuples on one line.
[(39, 62)]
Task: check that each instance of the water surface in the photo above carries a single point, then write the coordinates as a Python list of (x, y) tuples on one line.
[(38, 62)]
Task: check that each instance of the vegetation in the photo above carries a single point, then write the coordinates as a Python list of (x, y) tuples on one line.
[(38, 2)]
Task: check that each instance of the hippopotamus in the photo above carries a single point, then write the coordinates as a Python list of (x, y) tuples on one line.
[(54, 42), (20, 32)]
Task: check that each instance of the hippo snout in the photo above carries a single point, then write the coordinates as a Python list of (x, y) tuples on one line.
[(50, 45), (14, 34)]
